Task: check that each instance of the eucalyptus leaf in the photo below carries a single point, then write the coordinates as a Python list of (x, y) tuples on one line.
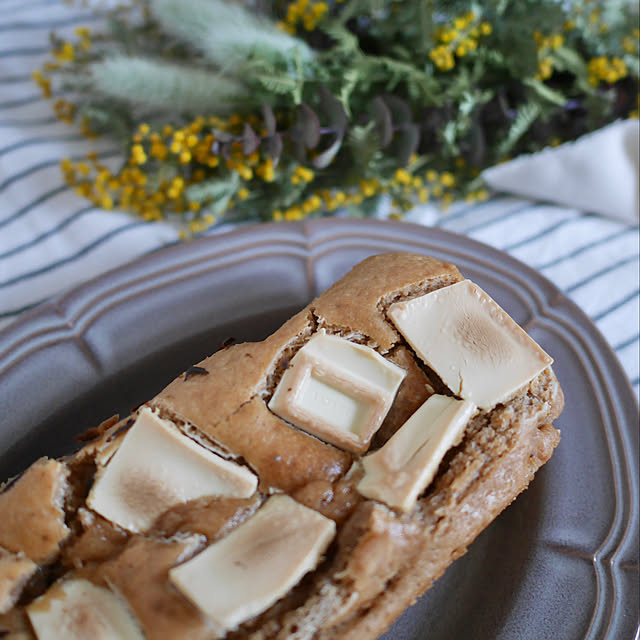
[(324, 159), (298, 149), (405, 143), (399, 109), (250, 140), (222, 136), (225, 150), (332, 108), (269, 118), (273, 146), (382, 117), (307, 126)]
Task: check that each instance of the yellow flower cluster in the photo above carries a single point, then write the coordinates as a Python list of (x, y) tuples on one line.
[(631, 43), (595, 19), (96, 182), (301, 175), (162, 165), (84, 36), (458, 39), (299, 211), (43, 82), (406, 187), (327, 200), (266, 170), (636, 112), (603, 69), (305, 12), (65, 52), (64, 110), (546, 45), (590, 18), (86, 130)]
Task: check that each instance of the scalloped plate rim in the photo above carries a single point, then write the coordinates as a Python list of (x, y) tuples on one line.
[(313, 239)]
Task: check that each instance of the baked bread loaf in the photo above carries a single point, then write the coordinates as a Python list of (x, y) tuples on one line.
[(310, 486)]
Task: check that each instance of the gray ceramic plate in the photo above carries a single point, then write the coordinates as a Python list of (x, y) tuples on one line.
[(560, 563)]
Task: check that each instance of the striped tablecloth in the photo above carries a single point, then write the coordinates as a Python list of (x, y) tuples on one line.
[(51, 240)]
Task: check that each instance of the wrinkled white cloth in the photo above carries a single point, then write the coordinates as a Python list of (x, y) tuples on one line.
[(51, 239), (598, 173)]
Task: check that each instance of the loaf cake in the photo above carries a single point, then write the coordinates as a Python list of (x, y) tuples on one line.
[(310, 486)]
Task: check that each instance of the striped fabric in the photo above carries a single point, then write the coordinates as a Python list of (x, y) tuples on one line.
[(593, 260), (51, 240)]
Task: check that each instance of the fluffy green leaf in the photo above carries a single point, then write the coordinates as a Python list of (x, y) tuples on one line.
[(545, 92), (156, 84), (227, 34), (525, 117), (213, 190)]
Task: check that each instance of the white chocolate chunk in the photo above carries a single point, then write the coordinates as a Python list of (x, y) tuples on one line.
[(77, 610), (15, 571), (246, 572), (404, 467), (337, 390), (475, 347), (155, 468)]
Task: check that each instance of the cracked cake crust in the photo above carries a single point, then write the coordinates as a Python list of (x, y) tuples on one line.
[(380, 561)]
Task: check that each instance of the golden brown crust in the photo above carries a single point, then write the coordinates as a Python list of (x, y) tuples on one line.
[(97, 540), (209, 516), (354, 302), (381, 560), (15, 571), (234, 376), (15, 626), (140, 575), (359, 598), (413, 392), (456, 528), (284, 458), (31, 512)]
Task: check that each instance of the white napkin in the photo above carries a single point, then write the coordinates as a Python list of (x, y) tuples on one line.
[(596, 173)]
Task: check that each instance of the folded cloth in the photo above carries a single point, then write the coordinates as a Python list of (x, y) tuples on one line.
[(596, 173)]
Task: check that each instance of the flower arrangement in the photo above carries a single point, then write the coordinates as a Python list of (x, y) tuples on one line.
[(230, 111)]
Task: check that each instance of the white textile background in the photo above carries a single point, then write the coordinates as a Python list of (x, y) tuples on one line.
[(51, 239)]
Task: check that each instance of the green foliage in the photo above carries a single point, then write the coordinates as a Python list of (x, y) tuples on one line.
[(149, 83), (373, 96), (226, 33)]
